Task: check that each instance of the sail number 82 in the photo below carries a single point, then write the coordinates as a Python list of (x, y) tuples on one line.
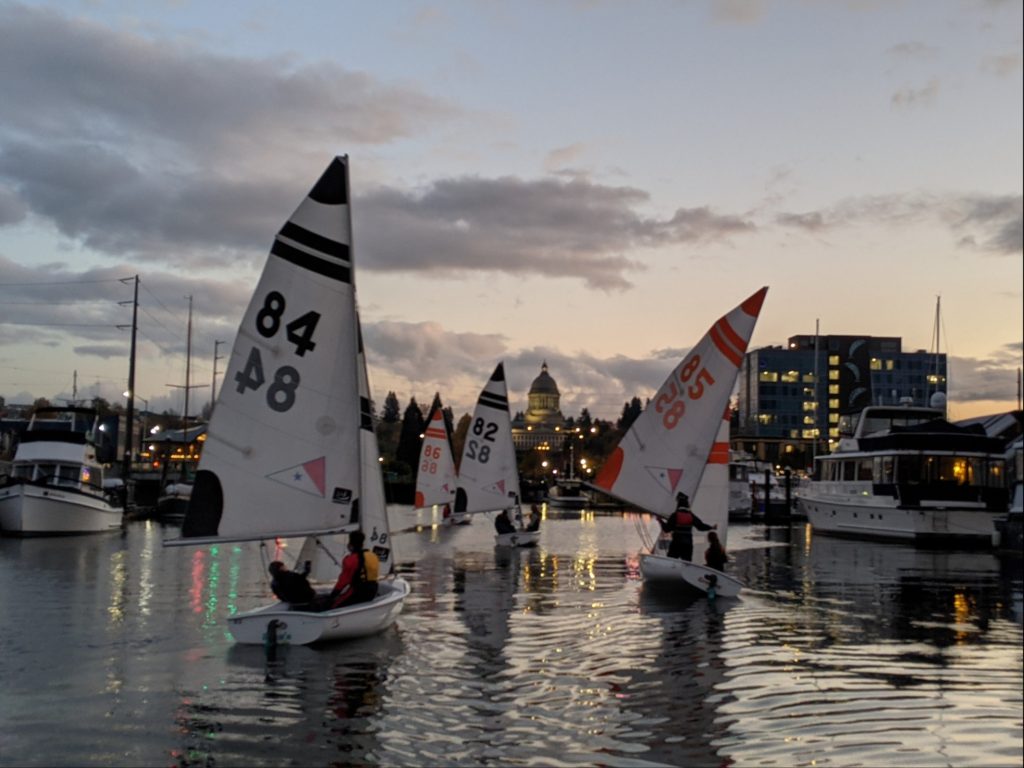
[(478, 450)]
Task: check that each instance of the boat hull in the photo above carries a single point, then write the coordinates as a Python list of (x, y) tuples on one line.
[(662, 569), (864, 517), (280, 624), (35, 510), (517, 539)]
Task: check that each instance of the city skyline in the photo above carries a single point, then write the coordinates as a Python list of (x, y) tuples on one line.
[(587, 183)]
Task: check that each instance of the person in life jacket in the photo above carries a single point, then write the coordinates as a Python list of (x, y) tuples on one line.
[(681, 524), (357, 582)]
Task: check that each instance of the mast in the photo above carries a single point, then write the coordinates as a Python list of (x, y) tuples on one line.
[(213, 385), (188, 370), (817, 394), (130, 410), (356, 329)]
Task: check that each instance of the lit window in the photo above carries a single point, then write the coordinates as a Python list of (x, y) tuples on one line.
[(768, 376), (833, 359), (833, 375), (810, 405), (791, 377), (833, 389), (833, 418), (808, 419), (833, 403), (833, 432), (876, 364), (889, 365)]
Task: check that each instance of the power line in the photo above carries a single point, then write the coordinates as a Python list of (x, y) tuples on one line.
[(59, 282)]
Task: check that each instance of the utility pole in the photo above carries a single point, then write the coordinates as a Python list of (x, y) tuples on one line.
[(129, 415)]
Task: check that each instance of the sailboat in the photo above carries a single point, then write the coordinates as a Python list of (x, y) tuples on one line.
[(290, 449), (668, 447), (435, 476), (488, 474)]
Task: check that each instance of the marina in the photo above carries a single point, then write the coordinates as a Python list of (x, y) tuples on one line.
[(116, 652)]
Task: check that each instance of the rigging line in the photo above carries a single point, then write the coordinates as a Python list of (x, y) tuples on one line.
[(158, 323), (177, 318), (159, 346), (60, 325), (61, 282)]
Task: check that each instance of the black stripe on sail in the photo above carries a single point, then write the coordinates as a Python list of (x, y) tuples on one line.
[(341, 272), (332, 188), (365, 420), (494, 401), (315, 242)]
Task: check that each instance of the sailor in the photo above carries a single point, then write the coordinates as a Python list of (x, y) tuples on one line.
[(291, 586), (681, 524), (502, 523), (357, 582)]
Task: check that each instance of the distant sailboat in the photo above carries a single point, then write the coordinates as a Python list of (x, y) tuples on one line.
[(666, 450), (291, 450), (435, 475), (488, 474)]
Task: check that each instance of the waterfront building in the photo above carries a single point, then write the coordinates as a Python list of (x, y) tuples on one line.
[(791, 398), (542, 427)]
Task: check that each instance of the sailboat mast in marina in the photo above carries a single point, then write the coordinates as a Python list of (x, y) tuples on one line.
[(290, 449)]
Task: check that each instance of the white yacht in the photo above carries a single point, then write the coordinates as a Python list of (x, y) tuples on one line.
[(904, 473), (55, 486)]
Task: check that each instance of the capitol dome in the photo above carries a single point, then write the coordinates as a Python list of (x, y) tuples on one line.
[(544, 384)]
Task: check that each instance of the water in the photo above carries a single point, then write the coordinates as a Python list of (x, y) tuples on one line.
[(114, 651)]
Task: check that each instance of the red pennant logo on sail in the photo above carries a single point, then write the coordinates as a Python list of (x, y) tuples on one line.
[(667, 477), (308, 477)]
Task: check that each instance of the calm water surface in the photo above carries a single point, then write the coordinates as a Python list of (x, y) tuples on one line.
[(114, 651)]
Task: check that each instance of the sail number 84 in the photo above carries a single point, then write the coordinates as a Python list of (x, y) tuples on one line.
[(281, 392)]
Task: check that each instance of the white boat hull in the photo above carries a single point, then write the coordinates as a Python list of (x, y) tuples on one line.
[(662, 569), (866, 517), (35, 510), (517, 539), (458, 518), (280, 624)]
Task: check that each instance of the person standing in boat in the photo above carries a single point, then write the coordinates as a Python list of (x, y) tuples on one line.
[(714, 555), (291, 586), (534, 524), (357, 582), (681, 525)]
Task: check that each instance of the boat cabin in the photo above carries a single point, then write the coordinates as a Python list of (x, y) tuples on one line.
[(58, 449)]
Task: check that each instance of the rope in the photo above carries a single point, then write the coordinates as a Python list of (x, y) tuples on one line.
[(325, 549)]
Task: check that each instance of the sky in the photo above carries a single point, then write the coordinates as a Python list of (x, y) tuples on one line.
[(590, 183)]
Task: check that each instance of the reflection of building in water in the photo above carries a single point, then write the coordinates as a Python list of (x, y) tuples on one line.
[(543, 425)]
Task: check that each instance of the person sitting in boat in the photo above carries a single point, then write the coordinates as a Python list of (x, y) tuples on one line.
[(291, 586), (681, 525), (534, 524), (714, 555), (357, 582), (503, 524)]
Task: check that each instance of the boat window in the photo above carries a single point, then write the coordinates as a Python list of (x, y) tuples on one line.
[(23, 471), (864, 469), (908, 469), (885, 471), (67, 474), (45, 472), (849, 470)]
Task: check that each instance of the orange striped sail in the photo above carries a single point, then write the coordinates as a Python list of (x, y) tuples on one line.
[(667, 448)]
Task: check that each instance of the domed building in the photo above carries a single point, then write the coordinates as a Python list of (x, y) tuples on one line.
[(543, 423)]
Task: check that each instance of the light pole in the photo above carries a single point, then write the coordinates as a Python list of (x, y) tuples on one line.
[(142, 430)]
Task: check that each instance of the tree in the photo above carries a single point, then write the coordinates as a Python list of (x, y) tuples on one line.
[(40, 402), (585, 421), (391, 408), (459, 437), (413, 424), (630, 411)]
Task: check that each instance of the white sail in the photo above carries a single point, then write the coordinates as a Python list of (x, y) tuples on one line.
[(373, 510), (283, 447), (711, 504), (435, 476), (488, 475), (667, 447)]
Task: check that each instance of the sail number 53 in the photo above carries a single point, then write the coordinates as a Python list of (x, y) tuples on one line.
[(672, 402), (281, 392)]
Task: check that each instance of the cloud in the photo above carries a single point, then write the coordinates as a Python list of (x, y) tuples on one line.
[(12, 209), (989, 223), (1002, 66), (552, 227), (988, 378), (911, 97), (912, 50)]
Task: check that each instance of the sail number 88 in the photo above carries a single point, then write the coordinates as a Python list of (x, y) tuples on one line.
[(286, 379)]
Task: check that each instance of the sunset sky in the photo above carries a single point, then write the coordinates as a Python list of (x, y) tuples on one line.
[(590, 183)]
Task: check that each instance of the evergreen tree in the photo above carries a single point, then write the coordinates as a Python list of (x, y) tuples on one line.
[(630, 411), (413, 424), (584, 422), (459, 438), (391, 408)]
